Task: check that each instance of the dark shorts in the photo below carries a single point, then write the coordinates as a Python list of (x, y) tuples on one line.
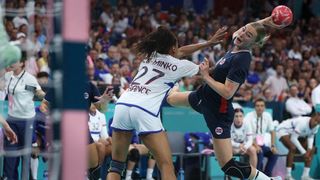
[(218, 123)]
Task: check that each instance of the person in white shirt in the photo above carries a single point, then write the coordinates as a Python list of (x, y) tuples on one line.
[(21, 87), (242, 137), (299, 127), (262, 127), (138, 108), (315, 96), (277, 83), (296, 106), (97, 124)]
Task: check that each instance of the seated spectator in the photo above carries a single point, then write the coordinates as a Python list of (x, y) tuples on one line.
[(114, 72), (97, 125), (299, 127), (277, 83), (262, 127), (315, 96), (295, 105), (100, 70), (304, 90), (112, 56), (197, 141), (242, 137)]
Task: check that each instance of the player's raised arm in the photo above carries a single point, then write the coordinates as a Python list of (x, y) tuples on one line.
[(217, 38)]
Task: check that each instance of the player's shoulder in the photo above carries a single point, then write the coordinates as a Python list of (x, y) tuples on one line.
[(242, 55)]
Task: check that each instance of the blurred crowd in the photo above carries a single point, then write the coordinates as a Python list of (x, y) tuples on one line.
[(289, 59)]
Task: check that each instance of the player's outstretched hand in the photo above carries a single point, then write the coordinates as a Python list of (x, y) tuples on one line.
[(269, 22), (219, 36), (106, 96), (204, 68)]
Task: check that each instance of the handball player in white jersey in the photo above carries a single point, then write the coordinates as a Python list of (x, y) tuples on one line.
[(138, 108), (291, 131)]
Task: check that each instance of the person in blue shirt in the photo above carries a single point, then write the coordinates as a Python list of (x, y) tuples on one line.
[(214, 98)]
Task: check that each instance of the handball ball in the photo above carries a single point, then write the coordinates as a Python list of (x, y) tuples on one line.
[(282, 15)]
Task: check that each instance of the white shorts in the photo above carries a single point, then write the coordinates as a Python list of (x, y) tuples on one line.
[(282, 132), (133, 118)]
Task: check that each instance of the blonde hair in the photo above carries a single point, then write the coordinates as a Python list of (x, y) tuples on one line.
[(261, 33)]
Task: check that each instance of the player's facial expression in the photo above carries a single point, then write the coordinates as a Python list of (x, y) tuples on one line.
[(238, 118), (260, 107), (246, 36)]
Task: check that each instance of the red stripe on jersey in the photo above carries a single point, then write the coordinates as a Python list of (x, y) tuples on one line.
[(223, 105)]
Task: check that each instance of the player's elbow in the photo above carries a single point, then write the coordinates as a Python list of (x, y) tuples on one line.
[(228, 95)]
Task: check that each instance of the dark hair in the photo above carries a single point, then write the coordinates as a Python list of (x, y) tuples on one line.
[(24, 57), (161, 41), (259, 100), (238, 110), (42, 74)]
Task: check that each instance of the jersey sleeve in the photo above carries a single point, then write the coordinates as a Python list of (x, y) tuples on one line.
[(34, 83), (239, 68), (187, 68)]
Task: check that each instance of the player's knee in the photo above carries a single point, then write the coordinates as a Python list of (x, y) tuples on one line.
[(237, 169), (117, 167), (134, 155)]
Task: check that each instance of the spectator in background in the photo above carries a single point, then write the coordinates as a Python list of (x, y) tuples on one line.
[(114, 72), (316, 96), (299, 127), (242, 137), (98, 125), (304, 90), (264, 136), (289, 77), (113, 56), (277, 83), (43, 61), (295, 52), (100, 69), (295, 105)]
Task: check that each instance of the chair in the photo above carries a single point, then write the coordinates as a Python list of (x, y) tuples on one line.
[(177, 145)]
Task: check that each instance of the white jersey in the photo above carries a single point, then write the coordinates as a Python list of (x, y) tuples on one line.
[(154, 80), (98, 126), (242, 135), (298, 127)]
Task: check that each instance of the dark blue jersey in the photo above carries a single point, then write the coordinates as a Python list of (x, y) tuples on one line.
[(233, 66)]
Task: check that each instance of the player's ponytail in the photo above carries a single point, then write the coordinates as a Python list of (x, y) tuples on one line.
[(262, 36), (161, 41)]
